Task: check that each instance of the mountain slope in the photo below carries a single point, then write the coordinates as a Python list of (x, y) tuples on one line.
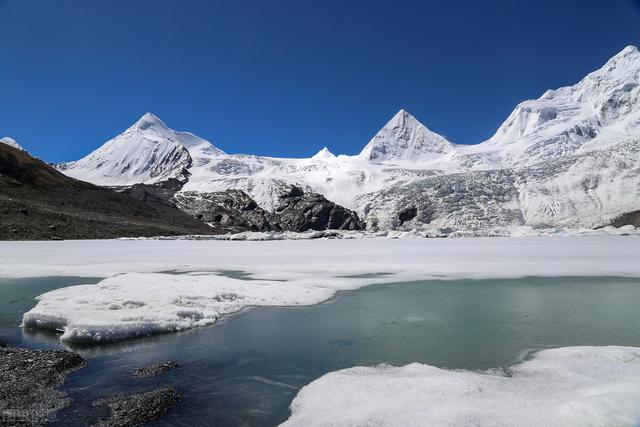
[(603, 107), (10, 142), (38, 202)]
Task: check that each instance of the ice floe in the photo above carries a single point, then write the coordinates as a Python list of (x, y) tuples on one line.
[(570, 386), (139, 296)]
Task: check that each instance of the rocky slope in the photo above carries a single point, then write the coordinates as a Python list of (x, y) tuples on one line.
[(566, 159), (302, 211), (235, 211), (10, 142), (39, 202)]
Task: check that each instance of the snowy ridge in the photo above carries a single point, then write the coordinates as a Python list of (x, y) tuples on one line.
[(11, 143), (605, 105), (147, 152), (567, 159)]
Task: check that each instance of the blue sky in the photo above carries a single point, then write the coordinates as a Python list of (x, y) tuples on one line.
[(287, 77)]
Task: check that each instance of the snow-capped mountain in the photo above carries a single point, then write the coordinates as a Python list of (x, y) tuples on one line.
[(147, 152), (405, 138), (569, 158), (324, 154), (605, 105), (11, 143)]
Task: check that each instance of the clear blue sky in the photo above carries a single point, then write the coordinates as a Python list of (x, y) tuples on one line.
[(286, 77)]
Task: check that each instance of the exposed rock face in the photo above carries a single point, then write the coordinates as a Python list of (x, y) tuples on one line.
[(236, 211), (630, 218), (297, 211), (407, 214), (232, 209), (300, 211)]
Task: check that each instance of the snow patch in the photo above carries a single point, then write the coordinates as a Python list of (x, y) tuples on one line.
[(570, 386)]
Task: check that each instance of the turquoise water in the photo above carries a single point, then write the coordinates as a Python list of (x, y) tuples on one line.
[(18, 296), (247, 369)]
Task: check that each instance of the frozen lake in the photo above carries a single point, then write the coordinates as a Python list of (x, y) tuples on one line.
[(247, 369)]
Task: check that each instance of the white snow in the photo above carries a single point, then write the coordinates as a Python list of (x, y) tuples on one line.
[(324, 154), (570, 386), (10, 142), (312, 270), (140, 304), (405, 138), (147, 152), (568, 159), (602, 107)]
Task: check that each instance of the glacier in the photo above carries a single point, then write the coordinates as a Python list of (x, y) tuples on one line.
[(568, 159)]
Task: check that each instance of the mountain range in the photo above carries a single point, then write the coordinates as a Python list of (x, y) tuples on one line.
[(567, 159)]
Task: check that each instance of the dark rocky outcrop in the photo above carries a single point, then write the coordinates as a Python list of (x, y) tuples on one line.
[(157, 195), (28, 381), (629, 218), (137, 408), (407, 214), (155, 370), (232, 209), (301, 211), (39, 202), (235, 211)]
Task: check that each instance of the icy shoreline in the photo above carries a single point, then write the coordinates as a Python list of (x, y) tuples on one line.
[(568, 386), (136, 298), (422, 233)]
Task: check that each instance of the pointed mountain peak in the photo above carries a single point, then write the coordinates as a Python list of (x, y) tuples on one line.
[(147, 152), (403, 118), (629, 50), (11, 143), (404, 137), (627, 58), (324, 154), (150, 120), (564, 119)]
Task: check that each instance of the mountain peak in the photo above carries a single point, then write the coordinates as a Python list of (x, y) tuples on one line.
[(401, 117), (147, 152), (150, 120), (629, 50), (626, 61), (11, 143), (324, 154), (605, 102), (404, 137)]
